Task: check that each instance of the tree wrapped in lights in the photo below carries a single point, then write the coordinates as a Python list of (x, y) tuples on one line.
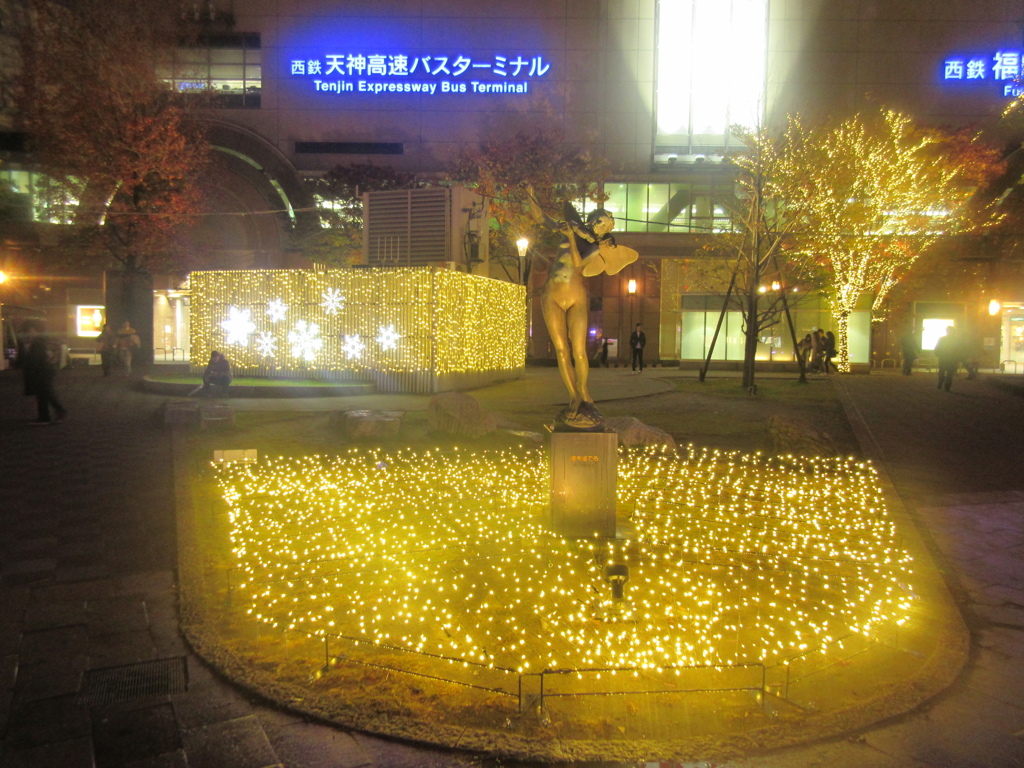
[(880, 191), (769, 200)]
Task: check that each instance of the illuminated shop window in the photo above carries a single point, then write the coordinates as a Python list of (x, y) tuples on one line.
[(228, 66), (664, 207), (35, 197), (711, 70)]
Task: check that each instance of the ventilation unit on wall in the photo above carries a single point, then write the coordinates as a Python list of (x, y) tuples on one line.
[(425, 227)]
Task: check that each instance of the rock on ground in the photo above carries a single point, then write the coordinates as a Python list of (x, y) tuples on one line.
[(459, 415), (786, 435), (633, 433), (371, 425)]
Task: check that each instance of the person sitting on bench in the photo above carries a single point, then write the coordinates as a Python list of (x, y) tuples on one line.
[(216, 377)]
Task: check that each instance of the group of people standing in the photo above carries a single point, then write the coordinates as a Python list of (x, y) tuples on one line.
[(637, 342), (817, 349), (117, 348)]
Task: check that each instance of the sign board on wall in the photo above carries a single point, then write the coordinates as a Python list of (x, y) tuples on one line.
[(348, 69), (998, 71)]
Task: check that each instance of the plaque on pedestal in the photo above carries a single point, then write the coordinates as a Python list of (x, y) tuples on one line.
[(583, 479)]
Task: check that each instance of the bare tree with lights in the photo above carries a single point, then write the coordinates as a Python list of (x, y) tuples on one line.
[(880, 192), (769, 201)]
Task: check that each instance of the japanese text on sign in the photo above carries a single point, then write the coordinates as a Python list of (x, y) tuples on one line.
[(1002, 68), (399, 73)]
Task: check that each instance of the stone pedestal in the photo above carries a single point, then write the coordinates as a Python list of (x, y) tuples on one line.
[(583, 479)]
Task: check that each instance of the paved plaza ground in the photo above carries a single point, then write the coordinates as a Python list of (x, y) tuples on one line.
[(88, 564)]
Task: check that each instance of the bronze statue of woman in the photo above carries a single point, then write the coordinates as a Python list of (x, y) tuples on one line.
[(587, 249)]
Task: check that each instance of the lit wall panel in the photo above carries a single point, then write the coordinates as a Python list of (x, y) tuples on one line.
[(416, 329)]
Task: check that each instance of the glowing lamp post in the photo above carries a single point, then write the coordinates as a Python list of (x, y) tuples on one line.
[(3, 333), (631, 290), (523, 245)]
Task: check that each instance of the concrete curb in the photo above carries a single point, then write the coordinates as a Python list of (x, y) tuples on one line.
[(175, 389)]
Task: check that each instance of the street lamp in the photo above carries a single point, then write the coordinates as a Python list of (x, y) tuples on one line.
[(523, 244), (3, 330), (631, 290)]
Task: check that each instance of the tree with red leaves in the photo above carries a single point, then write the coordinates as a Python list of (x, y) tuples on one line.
[(121, 153)]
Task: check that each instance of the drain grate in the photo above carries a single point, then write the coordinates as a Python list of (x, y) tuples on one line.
[(135, 681)]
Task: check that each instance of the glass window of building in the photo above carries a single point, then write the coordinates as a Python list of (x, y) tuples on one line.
[(35, 197), (711, 71), (229, 66), (691, 207)]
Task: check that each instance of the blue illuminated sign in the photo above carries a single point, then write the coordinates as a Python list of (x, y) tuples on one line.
[(1002, 69), (380, 73)]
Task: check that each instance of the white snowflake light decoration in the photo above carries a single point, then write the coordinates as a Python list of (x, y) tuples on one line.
[(333, 301), (353, 346), (276, 310), (388, 337), (239, 326), (266, 344), (305, 340)]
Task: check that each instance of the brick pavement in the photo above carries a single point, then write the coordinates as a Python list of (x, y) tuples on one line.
[(87, 582)]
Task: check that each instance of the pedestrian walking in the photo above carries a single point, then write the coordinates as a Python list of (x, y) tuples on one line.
[(803, 349), (948, 352), (830, 351), (39, 364), (909, 350), (817, 350), (106, 345), (637, 342), (970, 351), (126, 342), (604, 353)]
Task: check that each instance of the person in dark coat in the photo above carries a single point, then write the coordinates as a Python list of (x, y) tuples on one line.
[(908, 348), (106, 345), (637, 342), (39, 367), (216, 377), (949, 353), (830, 351)]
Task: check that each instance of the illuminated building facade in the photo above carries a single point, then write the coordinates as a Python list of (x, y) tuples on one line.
[(652, 85)]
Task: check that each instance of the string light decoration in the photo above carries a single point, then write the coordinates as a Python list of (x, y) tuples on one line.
[(388, 338), (266, 344), (238, 326), (305, 341), (736, 559), (874, 193), (409, 320), (276, 310), (353, 347), (333, 301)]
